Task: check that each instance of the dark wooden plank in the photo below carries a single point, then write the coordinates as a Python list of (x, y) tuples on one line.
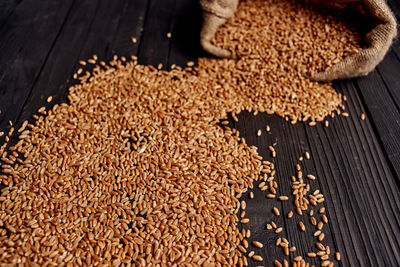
[(362, 198), (383, 113), (356, 176), (388, 70), (131, 25), (82, 35), (154, 45), (27, 39), (7, 7), (290, 145), (185, 29), (81, 32)]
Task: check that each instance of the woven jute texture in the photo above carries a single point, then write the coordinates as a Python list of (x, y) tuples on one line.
[(378, 40)]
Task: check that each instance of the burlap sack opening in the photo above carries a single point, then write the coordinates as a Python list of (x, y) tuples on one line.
[(378, 39)]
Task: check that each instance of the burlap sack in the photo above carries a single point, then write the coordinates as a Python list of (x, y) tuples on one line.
[(379, 39), (215, 14)]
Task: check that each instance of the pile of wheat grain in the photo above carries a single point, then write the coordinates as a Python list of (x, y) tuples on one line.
[(134, 169)]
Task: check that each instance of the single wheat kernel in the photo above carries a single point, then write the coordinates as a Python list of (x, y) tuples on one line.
[(257, 244), (283, 198), (302, 226), (245, 220), (257, 258), (276, 211), (337, 256), (290, 214)]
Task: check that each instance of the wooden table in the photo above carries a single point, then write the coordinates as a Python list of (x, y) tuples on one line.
[(357, 162)]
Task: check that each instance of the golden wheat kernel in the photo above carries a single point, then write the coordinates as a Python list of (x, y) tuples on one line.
[(298, 258), (268, 128), (302, 226), (248, 233), (243, 204), (286, 250), (276, 211), (325, 257), (320, 246), (327, 250), (311, 177), (278, 230), (325, 263), (321, 237), (245, 220), (257, 244), (259, 133), (290, 214), (337, 256), (169, 35), (257, 258), (307, 155)]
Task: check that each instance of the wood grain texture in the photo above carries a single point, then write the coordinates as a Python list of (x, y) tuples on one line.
[(185, 29), (362, 198), (7, 7), (81, 33), (154, 44), (26, 40)]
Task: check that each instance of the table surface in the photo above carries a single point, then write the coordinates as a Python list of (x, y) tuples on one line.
[(357, 162)]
